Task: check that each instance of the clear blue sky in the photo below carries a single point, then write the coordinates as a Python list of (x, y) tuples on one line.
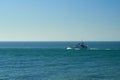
[(59, 20)]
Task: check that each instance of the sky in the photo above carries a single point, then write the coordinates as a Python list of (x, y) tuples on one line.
[(59, 20)]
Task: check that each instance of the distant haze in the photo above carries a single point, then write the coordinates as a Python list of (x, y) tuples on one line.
[(59, 20)]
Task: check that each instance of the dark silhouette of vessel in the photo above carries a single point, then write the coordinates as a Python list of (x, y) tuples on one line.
[(79, 46)]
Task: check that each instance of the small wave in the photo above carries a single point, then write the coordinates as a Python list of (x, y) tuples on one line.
[(94, 49), (108, 49), (103, 49)]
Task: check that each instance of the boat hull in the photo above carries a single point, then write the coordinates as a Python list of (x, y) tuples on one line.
[(70, 48)]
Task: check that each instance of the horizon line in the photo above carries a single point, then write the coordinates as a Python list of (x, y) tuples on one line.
[(67, 41)]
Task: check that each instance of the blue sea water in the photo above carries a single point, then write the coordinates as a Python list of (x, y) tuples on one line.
[(51, 61)]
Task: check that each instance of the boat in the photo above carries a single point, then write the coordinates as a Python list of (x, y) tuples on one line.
[(79, 46)]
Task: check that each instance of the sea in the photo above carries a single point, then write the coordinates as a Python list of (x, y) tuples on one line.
[(51, 61)]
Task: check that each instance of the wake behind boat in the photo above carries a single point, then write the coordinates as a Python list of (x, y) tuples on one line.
[(79, 46)]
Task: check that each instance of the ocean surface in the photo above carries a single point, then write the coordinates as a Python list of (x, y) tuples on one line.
[(51, 61)]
